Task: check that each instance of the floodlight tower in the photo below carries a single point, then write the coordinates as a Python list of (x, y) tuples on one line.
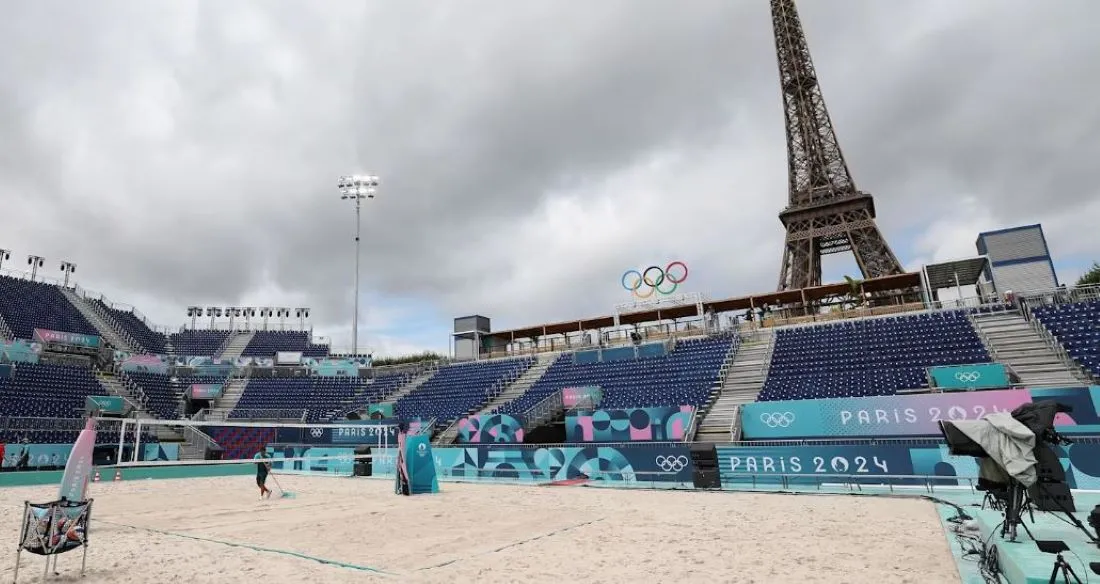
[(35, 262), (67, 268), (356, 188), (5, 254)]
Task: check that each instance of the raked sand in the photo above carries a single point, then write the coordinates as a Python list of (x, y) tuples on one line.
[(487, 533)]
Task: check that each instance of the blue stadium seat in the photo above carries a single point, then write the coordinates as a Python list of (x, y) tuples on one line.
[(457, 390), (1077, 326), (870, 357), (681, 377), (27, 305), (267, 343), (198, 343), (317, 398), (150, 340)]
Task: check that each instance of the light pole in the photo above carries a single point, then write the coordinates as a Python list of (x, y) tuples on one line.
[(356, 188), (35, 262), (67, 268)]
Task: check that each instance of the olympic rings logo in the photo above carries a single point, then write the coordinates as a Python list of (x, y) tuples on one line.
[(316, 432), (777, 420), (653, 279), (672, 463), (968, 376)]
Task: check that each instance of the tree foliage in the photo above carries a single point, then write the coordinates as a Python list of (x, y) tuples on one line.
[(405, 359), (1091, 277)]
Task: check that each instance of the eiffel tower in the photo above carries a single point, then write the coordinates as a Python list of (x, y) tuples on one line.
[(826, 213)]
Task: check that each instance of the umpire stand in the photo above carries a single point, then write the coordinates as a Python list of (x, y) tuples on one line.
[(51, 529)]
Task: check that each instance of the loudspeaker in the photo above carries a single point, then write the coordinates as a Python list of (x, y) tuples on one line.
[(213, 453), (704, 456), (363, 466), (704, 459)]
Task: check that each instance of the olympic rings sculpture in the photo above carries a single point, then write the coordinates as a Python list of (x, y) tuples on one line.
[(654, 280)]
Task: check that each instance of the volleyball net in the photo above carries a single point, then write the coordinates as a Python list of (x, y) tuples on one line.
[(339, 449)]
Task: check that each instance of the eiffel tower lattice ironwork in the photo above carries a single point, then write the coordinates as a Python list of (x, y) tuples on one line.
[(826, 213)]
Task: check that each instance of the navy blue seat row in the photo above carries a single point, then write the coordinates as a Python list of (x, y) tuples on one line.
[(458, 390), (27, 305), (1077, 326), (267, 343), (47, 391), (149, 340), (317, 398), (198, 343), (684, 376), (868, 357)]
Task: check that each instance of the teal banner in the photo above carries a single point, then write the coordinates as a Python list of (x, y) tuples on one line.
[(105, 404), (19, 351), (43, 456), (974, 376), (378, 411), (161, 451), (333, 367), (62, 338)]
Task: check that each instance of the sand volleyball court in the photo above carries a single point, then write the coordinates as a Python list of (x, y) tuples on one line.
[(162, 531)]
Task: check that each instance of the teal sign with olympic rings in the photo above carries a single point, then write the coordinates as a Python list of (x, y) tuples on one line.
[(645, 283)]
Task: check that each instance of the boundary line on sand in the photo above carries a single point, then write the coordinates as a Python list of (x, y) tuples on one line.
[(261, 549)]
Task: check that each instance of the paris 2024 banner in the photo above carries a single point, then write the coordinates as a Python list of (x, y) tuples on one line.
[(909, 415)]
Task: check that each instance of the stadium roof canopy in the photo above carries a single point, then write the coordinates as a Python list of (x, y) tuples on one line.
[(955, 273), (909, 280)]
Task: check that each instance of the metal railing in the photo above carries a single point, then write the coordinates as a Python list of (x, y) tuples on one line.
[(545, 410)]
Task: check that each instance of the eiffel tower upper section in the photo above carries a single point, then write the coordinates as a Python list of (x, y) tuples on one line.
[(826, 213)]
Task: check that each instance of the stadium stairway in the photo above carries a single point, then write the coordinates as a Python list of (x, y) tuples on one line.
[(112, 386), (1014, 341), (105, 329), (522, 383), (235, 345), (409, 387), (225, 404), (5, 332), (743, 382)]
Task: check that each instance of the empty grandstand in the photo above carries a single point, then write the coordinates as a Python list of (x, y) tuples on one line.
[(1076, 325), (26, 305)]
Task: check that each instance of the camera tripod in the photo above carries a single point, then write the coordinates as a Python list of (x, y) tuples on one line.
[(1061, 565)]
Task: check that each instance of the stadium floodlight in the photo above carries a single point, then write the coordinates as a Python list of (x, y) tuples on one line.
[(356, 188), (266, 312), (213, 312), (194, 312), (35, 262), (5, 254), (67, 268), (302, 314), (248, 312)]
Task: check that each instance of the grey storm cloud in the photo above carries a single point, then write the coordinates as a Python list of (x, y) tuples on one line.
[(188, 151)]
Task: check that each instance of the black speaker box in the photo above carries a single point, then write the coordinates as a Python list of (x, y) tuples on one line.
[(213, 453), (706, 479), (704, 456)]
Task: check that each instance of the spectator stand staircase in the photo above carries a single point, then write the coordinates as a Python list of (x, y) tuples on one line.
[(110, 334), (5, 332), (1035, 358), (234, 389), (512, 391), (743, 379), (113, 386), (235, 345)]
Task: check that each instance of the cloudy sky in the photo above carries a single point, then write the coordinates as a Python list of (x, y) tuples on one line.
[(187, 152)]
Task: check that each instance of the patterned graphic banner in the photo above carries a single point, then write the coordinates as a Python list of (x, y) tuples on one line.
[(623, 463), (909, 415), (333, 367), (62, 338), (205, 390), (589, 396), (976, 376), (206, 366), (635, 425), (144, 363), (490, 428), (814, 464)]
